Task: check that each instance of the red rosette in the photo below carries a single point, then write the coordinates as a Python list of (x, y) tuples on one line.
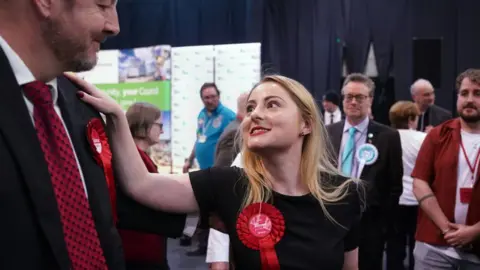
[(97, 138), (260, 226)]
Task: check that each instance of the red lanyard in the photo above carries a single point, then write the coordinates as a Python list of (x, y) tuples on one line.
[(471, 166)]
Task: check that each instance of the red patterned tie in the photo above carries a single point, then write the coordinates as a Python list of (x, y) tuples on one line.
[(81, 237)]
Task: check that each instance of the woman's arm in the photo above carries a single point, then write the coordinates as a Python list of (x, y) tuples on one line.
[(350, 260), (167, 192)]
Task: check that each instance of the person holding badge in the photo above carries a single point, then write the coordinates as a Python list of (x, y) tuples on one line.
[(372, 152), (288, 208), (446, 186)]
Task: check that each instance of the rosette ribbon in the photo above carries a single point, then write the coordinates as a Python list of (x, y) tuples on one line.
[(260, 226), (97, 138)]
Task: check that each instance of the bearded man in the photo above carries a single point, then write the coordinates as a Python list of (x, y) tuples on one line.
[(57, 195)]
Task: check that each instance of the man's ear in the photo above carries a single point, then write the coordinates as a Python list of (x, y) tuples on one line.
[(44, 7)]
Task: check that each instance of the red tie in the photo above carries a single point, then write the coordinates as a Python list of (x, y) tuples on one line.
[(81, 237)]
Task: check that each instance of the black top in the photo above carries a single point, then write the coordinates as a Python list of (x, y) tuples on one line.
[(311, 241)]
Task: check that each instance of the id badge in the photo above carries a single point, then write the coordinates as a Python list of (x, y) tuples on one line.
[(466, 195), (202, 139)]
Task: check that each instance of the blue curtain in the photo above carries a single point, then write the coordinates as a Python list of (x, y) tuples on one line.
[(307, 39)]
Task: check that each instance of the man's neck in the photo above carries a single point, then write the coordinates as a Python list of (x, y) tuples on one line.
[(470, 127), (355, 121), (423, 108), (284, 169), (28, 46), (333, 111)]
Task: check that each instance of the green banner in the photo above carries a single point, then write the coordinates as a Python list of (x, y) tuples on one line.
[(156, 93)]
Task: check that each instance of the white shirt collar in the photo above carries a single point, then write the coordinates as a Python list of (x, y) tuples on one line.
[(21, 71), (361, 127)]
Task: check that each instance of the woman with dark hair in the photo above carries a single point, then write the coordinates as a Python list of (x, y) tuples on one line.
[(145, 250)]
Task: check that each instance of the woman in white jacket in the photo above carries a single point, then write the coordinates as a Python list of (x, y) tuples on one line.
[(404, 117)]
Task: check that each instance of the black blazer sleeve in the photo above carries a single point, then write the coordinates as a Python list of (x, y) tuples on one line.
[(394, 169), (226, 151), (135, 216)]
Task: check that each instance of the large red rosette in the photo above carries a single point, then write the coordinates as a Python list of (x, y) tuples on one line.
[(260, 226), (98, 141)]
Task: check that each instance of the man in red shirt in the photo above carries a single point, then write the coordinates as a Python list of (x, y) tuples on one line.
[(446, 186)]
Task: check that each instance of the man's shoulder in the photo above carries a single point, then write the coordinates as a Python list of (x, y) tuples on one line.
[(227, 112), (444, 129), (439, 109), (339, 125), (384, 130), (68, 90)]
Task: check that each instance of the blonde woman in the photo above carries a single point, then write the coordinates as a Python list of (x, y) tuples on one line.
[(287, 209)]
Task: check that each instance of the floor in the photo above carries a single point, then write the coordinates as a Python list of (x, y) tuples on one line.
[(179, 261)]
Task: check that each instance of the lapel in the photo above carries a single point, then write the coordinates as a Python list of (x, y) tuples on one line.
[(373, 131), (336, 138), (19, 132), (76, 116)]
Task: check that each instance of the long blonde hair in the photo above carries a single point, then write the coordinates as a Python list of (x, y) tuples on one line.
[(316, 161)]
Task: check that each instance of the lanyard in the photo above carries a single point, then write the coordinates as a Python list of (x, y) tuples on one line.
[(471, 166), (206, 125)]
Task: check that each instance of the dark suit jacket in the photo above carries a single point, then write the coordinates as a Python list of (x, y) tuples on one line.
[(438, 115), (30, 228), (226, 150), (383, 178)]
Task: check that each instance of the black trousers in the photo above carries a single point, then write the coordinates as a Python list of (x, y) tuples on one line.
[(202, 232), (401, 233), (372, 240)]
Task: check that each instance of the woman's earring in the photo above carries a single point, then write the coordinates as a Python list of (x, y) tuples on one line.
[(302, 134)]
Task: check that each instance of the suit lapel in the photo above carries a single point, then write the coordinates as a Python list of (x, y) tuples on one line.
[(19, 132), (336, 139), (372, 134), (76, 117)]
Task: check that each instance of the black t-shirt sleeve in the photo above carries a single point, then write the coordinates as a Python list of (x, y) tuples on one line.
[(352, 238), (212, 186)]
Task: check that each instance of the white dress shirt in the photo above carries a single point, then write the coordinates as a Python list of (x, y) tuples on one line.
[(24, 76), (337, 117), (218, 249)]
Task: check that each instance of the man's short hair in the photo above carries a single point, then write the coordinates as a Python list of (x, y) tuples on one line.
[(360, 78), (208, 85), (471, 73), (420, 83)]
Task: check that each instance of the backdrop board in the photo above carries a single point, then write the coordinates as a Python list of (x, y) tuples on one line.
[(139, 75), (237, 70), (192, 67)]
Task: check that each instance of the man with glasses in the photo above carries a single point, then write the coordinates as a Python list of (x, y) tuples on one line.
[(211, 122), (372, 152)]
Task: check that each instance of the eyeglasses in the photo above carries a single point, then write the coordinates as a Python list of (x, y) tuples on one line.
[(160, 125), (358, 98)]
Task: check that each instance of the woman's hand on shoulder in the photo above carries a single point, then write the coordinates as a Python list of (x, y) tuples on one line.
[(90, 94)]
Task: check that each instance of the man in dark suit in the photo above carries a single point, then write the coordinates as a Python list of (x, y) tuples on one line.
[(226, 149), (372, 152), (331, 108), (423, 94), (54, 195)]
